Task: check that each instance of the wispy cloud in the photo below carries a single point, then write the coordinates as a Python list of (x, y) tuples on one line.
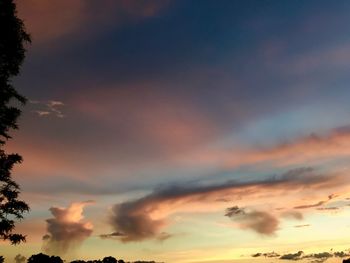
[(300, 226), (315, 149), (320, 203), (46, 108)]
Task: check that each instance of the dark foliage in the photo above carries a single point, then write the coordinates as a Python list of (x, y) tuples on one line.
[(108, 260), (43, 258), (12, 52), (104, 260)]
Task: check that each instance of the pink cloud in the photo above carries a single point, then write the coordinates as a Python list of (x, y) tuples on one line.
[(50, 21)]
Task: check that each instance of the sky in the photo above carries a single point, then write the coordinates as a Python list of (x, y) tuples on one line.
[(185, 131)]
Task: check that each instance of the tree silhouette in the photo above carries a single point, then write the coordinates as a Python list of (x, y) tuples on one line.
[(12, 52), (41, 258), (109, 260)]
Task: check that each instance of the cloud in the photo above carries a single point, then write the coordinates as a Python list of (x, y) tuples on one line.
[(46, 108), (111, 235), (341, 254), (300, 226), (319, 256), (293, 215), (328, 208), (67, 230), (20, 259), (56, 19), (146, 217), (267, 255), (293, 256), (320, 203), (258, 221)]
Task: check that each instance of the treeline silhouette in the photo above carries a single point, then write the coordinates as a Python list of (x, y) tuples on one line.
[(43, 258)]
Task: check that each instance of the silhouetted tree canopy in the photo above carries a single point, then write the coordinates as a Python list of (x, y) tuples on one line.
[(109, 260), (41, 258), (12, 52)]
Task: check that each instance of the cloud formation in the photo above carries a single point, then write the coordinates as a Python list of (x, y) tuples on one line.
[(258, 221), (146, 217), (66, 230)]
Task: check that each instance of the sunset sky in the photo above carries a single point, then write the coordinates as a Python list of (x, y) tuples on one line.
[(185, 131)]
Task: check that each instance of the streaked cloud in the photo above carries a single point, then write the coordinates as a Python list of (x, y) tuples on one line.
[(304, 225), (146, 217), (320, 203)]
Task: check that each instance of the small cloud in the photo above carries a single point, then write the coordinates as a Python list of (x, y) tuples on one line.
[(300, 226), (53, 103), (42, 113), (111, 235), (164, 236), (293, 256), (46, 108), (293, 215), (258, 221), (233, 211), (328, 208), (266, 255)]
